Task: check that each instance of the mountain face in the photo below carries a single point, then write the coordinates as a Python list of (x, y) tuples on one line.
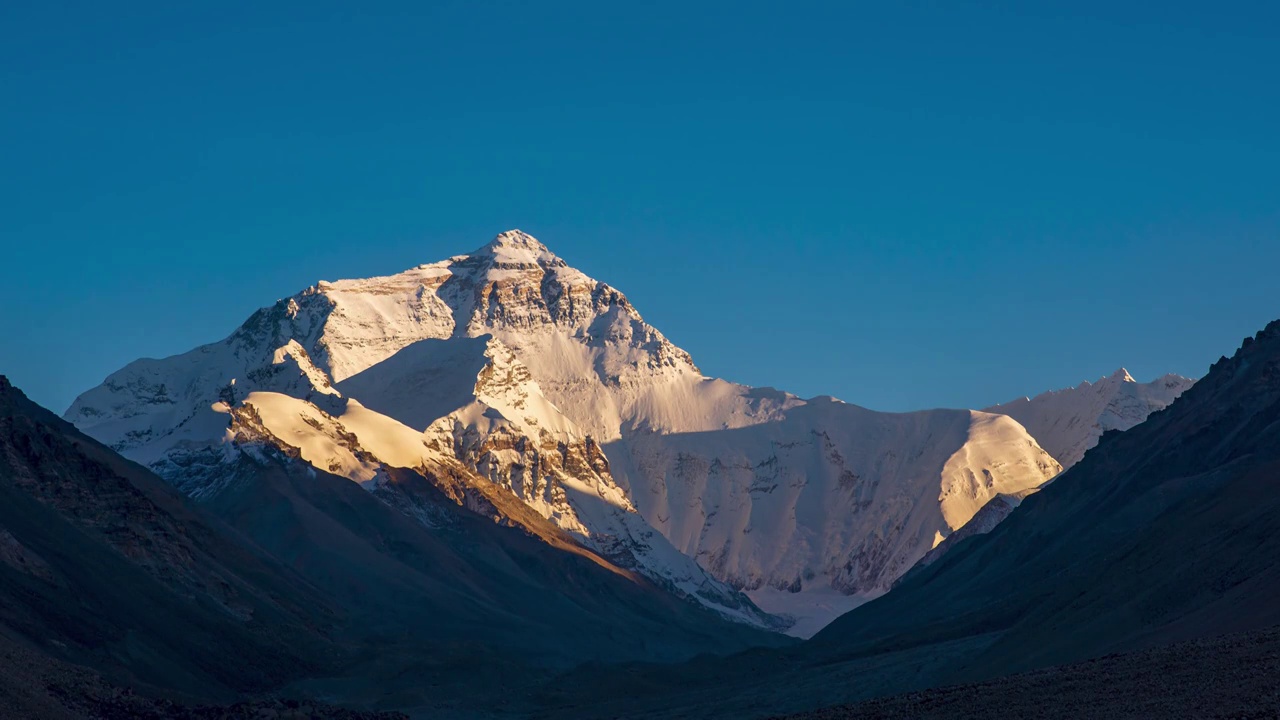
[(830, 496), (505, 373), (1068, 422)]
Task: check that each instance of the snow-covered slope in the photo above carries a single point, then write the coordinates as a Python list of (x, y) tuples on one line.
[(1069, 422), (514, 371), (832, 496)]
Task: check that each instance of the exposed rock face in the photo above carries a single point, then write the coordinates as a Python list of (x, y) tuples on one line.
[(508, 366)]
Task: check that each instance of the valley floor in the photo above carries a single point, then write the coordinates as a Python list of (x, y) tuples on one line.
[(34, 686), (1235, 676)]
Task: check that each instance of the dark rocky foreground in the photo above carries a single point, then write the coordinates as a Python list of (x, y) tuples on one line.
[(1235, 676), (33, 685)]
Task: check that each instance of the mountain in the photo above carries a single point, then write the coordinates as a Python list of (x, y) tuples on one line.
[(1168, 532), (1068, 422), (504, 373)]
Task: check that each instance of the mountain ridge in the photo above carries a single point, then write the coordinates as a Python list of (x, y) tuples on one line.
[(1069, 421)]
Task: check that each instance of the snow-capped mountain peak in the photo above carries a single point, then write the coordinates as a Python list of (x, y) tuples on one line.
[(1122, 375), (565, 324), (1068, 422), (517, 246)]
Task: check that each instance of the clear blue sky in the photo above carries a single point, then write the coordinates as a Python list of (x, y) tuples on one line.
[(906, 205)]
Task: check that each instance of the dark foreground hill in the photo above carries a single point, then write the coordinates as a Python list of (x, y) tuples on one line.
[(35, 685), (103, 565), (1229, 676)]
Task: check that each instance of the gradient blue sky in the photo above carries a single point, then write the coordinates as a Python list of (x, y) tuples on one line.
[(905, 206)]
